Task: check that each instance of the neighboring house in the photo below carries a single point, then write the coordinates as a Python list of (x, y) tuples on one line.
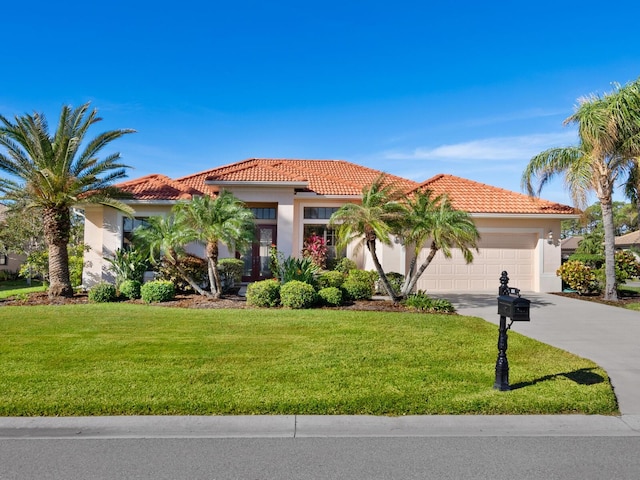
[(568, 246), (625, 242), (293, 198), (9, 261)]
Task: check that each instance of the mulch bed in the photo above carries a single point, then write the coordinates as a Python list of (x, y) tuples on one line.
[(623, 299), (192, 301)]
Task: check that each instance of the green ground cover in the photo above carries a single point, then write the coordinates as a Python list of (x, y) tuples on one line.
[(11, 288), (126, 359)]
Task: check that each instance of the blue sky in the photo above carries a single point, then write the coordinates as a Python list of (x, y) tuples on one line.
[(415, 89)]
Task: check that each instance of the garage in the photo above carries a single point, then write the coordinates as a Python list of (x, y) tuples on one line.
[(513, 252)]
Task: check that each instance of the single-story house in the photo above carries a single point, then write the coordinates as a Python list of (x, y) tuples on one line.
[(569, 245), (293, 198), (628, 240)]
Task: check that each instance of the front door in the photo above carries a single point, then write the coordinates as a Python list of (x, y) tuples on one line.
[(256, 260)]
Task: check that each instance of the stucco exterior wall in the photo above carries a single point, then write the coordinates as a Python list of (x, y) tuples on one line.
[(103, 233)]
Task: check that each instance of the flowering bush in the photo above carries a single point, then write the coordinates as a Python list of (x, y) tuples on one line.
[(315, 248), (578, 276)]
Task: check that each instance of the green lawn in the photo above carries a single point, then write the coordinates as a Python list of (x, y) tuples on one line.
[(124, 359), (19, 287)]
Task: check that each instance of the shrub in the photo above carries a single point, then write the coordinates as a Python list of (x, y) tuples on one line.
[(158, 291), (421, 301), (592, 260), (130, 289), (230, 272), (315, 248), (345, 265), (300, 269), (297, 294), (194, 266), (331, 296), (364, 276), (627, 266), (7, 275), (357, 289), (265, 293), (395, 279), (332, 278), (128, 265), (578, 276), (102, 293)]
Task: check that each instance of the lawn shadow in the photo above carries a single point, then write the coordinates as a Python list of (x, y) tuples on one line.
[(583, 376)]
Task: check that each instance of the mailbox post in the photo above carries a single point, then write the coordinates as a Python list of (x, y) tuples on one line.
[(517, 309)]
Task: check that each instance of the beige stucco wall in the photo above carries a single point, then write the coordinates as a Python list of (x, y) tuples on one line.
[(103, 234)]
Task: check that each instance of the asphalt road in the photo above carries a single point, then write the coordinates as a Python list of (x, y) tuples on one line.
[(444, 447), (442, 458)]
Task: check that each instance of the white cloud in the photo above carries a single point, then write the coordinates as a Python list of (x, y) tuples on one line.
[(497, 148)]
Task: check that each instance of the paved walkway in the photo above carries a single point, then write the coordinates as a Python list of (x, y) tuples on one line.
[(610, 336)]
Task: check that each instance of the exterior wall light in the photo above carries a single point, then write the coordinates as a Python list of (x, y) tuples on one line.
[(550, 237)]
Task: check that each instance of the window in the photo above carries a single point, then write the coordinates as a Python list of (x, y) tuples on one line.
[(329, 236), (3, 259), (320, 213), (264, 213), (128, 227)]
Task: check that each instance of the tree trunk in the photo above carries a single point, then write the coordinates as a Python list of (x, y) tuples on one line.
[(610, 290), (172, 258), (404, 291), (371, 245), (212, 266), (57, 228), (416, 276)]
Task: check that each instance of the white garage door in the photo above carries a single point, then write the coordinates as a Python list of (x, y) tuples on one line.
[(511, 252)]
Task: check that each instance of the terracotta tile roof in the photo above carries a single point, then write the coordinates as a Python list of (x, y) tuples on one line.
[(157, 187), (324, 177), (475, 197)]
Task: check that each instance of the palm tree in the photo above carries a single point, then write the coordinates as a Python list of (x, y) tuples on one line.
[(223, 220), (164, 238), (55, 172), (609, 143), (379, 216), (436, 219)]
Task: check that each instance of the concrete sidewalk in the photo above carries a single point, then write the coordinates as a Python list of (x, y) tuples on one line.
[(610, 336), (318, 426)]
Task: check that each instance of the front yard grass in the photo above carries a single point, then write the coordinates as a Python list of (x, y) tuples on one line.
[(124, 359), (12, 288)]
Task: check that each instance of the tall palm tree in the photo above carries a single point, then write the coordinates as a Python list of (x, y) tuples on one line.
[(164, 238), (435, 219), (56, 172), (221, 220), (379, 216), (609, 143)]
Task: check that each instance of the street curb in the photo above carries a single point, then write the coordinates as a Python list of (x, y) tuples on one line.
[(317, 426)]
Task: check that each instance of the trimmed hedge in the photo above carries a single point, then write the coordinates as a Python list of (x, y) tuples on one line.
[(330, 296), (357, 289), (332, 278), (265, 293), (103, 293), (158, 291), (130, 289), (297, 294)]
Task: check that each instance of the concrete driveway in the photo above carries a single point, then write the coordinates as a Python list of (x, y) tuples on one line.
[(610, 336)]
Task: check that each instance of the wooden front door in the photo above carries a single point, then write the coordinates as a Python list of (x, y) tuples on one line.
[(256, 260)]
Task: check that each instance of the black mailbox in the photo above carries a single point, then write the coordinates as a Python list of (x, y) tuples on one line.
[(516, 308)]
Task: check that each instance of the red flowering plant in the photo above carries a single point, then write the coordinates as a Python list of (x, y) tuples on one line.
[(315, 248)]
